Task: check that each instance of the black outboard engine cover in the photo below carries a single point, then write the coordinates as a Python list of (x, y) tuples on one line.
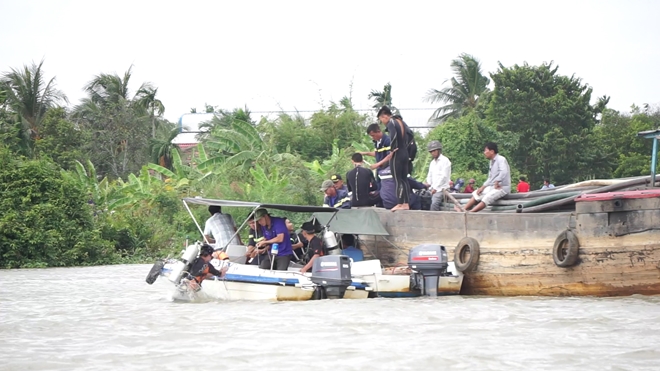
[(333, 273), (428, 263)]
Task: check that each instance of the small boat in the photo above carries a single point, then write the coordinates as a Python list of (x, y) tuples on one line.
[(332, 276)]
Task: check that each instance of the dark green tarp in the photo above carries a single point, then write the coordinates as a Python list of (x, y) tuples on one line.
[(354, 221)]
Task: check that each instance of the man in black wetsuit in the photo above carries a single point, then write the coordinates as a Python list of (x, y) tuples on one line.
[(399, 163), (201, 269), (361, 182)]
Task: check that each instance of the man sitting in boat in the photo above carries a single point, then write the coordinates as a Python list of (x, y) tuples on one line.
[(274, 231), (335, 197), (220, 228), (254, 256), (315, 246), (498, 184), (201, 269), (349, 249), (296, 244)]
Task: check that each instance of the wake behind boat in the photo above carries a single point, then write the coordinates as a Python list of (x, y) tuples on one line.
[(332, 276)]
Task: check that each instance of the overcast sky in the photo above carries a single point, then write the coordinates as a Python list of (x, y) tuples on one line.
[(288, 55)]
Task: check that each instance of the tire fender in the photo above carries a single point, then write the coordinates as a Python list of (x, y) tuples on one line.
[(155, 272), (466, 254), (566, 249)]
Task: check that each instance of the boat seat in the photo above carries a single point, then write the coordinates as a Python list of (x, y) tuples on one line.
[(237, 253)]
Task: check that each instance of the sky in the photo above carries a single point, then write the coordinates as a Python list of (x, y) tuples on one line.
[(302, 55)]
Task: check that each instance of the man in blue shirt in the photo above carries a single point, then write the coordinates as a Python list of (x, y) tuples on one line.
[(349, 249), (382, 144), (335, 197), (274, 230)]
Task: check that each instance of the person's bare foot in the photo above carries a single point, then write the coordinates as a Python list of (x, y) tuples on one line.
[(395, 208), (456, 208)]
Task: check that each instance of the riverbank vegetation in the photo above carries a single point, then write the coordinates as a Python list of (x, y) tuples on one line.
[(101, 182)]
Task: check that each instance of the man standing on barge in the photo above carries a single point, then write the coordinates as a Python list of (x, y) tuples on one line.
[(498, 184)]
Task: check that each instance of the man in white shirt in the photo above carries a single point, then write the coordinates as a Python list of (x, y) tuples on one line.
[(439, 174), (220, 228)]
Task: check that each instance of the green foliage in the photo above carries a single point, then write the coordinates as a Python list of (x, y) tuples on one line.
[(61, 140), (463, 94), (549, 120), (463, 141), (627, 154), (46, 220)]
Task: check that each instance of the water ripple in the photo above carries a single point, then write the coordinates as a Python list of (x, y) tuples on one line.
[(107, 318)]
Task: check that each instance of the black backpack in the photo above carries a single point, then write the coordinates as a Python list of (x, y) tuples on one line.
[(410, 137)]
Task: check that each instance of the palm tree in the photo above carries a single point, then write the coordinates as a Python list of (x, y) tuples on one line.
[(147, 99), (463, 94), (30, 96), (161, 150), (383, 98)]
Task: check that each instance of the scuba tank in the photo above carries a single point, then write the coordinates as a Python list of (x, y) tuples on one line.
[(329, 239)]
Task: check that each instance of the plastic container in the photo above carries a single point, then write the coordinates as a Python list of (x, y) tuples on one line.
[(274, 249)]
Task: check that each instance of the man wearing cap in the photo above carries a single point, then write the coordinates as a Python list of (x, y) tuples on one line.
[(439, 173), (338, 182), (274, 230), (315, 248), (201, 268), (335, 197)]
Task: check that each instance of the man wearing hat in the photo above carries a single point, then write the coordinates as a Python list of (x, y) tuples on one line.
[(438, 175), (315, 248), (335, 197), (338, 182), (274, 230)]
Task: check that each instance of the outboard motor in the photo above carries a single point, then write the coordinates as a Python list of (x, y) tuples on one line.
[(333, 274), (428, 263), (188, 255), (330, 241)]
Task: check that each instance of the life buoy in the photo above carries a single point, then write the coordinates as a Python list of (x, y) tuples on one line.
[(566, 249), (155, 272), (466, 254)]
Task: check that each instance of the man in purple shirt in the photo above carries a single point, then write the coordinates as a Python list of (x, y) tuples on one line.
[(274, 230)]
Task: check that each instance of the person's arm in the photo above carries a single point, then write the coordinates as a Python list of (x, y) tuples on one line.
[(373, 186), (445, 174), (309, 264), (343, 201), (415, 184), (348, 182), (326, 201), (214, 271), (502, 172), (277, 239), (207, 233), (372, 154), (494, 172)]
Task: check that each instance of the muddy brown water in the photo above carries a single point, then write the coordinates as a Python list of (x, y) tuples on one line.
[(108, 318)]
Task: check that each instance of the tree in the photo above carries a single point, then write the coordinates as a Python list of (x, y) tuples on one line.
[(383, 98), (548, 121), (119, 123), (162, 149), (29, 96), (61, 140), (464, 91), (146, 98), (46, 220)]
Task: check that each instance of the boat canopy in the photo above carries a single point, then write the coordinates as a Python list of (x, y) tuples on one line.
[(254, 205), (354, 221)]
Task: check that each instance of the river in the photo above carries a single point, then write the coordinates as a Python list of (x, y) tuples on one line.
[(108, 318)]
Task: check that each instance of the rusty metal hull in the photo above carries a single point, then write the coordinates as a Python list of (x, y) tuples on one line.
[(619, 248)]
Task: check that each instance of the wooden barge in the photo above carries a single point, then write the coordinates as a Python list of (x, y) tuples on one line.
[(609, 245)]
